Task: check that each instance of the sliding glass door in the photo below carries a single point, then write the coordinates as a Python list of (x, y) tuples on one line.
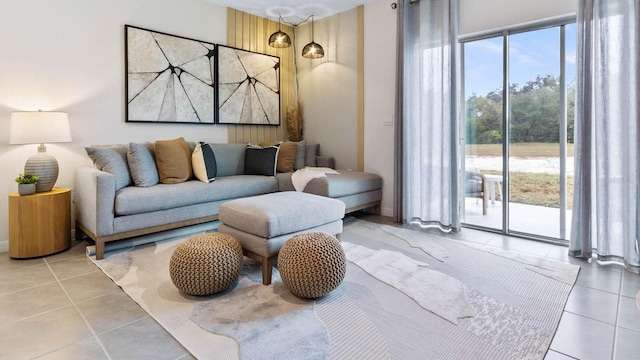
[(483, 83), (518, 91)]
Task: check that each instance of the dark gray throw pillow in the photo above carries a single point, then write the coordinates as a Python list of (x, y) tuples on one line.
[(261, 161)]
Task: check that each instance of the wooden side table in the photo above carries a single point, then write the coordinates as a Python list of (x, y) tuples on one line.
[(39, 224)]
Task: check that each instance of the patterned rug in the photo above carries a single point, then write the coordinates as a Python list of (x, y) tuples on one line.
[(406, 295)]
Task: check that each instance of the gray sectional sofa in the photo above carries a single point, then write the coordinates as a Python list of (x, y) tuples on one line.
[(109, 208)]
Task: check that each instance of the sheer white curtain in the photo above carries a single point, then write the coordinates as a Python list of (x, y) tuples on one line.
[(427, 135), (606, 197)]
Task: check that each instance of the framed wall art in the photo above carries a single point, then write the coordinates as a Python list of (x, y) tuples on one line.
[(248, 87), (169, 79)]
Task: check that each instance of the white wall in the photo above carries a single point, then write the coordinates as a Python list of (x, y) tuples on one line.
[(69, 56), (480, 16), (379, 95), (328, 87)]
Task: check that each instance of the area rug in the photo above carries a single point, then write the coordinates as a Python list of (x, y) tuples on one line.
[(406, 295)]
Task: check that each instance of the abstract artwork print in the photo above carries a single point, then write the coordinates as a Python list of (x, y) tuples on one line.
[(248, 87), (168, 78)]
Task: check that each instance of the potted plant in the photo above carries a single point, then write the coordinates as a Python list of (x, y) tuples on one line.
[(26, 183)]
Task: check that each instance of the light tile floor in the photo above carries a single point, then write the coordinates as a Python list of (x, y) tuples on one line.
[(63, 307)]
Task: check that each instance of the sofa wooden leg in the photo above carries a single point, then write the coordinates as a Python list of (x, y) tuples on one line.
[(99, 249)]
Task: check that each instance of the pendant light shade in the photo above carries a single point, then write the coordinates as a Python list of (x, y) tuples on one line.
[(279, 39), (312, 50)]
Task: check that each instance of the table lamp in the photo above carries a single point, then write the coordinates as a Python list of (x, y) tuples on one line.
[(40, 127)]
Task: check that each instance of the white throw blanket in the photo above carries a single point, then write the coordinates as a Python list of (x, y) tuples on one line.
[(301, 177)]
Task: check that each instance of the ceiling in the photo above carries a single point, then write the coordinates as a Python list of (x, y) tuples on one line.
[(292, 11)]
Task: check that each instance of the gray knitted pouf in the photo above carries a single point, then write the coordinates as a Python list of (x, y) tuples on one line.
[(312, 264), (206, 263)]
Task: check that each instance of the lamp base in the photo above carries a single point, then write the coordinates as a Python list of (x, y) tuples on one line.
[(45, 166)]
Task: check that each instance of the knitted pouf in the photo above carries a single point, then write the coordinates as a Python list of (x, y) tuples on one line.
[(206, 263), (312, 264)]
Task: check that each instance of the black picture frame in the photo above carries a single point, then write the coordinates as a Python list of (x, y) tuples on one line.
[(169, 78), (248, 87)]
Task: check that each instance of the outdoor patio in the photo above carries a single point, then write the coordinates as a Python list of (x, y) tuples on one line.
[(530, 219)]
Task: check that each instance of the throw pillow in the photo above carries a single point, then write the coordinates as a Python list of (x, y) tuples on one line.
[(311, 155), (300, 155), (113, 161), (260, 161), (286, 155), (142, 164), (203, 161), (173, 160)]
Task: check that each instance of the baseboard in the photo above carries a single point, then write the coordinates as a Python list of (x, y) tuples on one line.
[(387, 212)]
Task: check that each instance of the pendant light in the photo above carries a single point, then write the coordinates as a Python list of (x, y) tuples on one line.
[(312, 50), (279, 39)]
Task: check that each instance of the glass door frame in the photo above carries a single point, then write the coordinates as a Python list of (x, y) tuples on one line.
[(560, 22)]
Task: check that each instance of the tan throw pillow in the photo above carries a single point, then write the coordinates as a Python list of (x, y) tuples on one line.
[(173, 160), (286, 155)]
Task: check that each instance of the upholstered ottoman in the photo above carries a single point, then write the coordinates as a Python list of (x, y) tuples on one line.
[(206, 264), (263, 223), (312, 264)]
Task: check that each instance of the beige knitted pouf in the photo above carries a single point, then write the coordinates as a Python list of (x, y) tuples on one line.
[(206, 263), (312, 264)]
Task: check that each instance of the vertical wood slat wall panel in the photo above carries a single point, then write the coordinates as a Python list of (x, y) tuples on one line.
[(250, 32)]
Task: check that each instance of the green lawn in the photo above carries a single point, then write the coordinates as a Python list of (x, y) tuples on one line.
[(519, 150), (536, 188), (530, 188)]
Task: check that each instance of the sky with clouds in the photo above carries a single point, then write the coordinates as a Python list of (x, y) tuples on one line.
[(531, 54)]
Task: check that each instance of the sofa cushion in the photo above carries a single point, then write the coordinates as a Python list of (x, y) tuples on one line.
[(203, 161), (173, 159), (135, 200), (343, 184), (142, 164), (111, 159), (284, 182), (260, 161)]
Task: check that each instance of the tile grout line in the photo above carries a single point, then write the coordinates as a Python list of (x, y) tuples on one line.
[(84, 319), (615, 328)]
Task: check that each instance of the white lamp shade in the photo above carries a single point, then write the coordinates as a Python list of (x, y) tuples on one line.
[(39, 127)]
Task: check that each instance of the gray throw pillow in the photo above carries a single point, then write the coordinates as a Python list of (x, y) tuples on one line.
[(229, 159), (113, 161), (300, 161), (203, 161), (261, 161), (311, 156), (142, 164)]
